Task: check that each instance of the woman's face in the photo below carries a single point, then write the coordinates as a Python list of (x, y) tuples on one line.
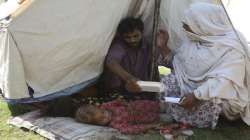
[(102, 117)]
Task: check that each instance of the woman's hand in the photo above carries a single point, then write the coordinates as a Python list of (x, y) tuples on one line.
[(132, 86), (189, 101)]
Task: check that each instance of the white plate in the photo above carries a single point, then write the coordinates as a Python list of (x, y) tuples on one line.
[(172, 100)]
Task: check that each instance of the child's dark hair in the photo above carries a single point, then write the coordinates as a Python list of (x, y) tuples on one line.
[(129, 24)]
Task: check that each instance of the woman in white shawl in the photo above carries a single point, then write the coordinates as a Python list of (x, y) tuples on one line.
[(210, 70)]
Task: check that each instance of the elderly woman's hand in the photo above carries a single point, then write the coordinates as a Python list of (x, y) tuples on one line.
[(189, 101)]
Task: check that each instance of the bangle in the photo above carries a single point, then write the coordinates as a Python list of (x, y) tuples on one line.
[(197, 94)]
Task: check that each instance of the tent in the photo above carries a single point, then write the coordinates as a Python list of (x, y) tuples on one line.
[(58, 47), (238, 10)]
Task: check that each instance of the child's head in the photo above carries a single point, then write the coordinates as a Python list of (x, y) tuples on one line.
[(93, 115)]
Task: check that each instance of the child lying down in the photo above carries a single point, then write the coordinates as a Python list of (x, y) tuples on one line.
[(128, 117)]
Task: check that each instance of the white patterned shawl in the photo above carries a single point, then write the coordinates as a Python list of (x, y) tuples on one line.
[(213, 63)]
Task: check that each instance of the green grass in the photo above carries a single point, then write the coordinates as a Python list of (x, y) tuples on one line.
[(225, 131), (8, 132)]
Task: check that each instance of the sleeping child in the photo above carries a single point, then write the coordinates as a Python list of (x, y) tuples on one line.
[(128, 117)]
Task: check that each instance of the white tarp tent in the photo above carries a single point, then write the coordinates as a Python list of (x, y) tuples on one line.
[(238, 11), (58, 47), (1, 1), (7, 8)]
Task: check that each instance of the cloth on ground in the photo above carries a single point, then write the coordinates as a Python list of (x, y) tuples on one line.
[(55, 128)]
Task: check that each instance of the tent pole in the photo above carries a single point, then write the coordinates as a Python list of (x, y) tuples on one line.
[(154, 75)]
